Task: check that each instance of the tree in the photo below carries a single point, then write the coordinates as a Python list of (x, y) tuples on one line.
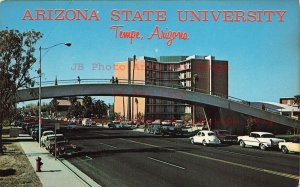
[(251, 124), (16, 60), (75, 110), (73, 100), (54, 106), (87, 102), (100, 108)]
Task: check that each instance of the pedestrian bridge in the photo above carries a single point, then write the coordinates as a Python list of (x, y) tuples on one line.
[(154, 91)]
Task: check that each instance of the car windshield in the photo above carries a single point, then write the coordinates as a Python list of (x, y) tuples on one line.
[(58, 138), (210, 134), (267, 136), (48, 133)]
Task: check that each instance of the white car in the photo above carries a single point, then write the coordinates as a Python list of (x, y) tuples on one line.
[(293, 146), (263, 140), (87, 122), (205, 137), (45, 134), (50, 140)]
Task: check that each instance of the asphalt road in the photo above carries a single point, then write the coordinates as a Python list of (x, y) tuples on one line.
[(128, 158)]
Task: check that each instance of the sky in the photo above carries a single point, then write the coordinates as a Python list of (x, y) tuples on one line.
[(263, 57)]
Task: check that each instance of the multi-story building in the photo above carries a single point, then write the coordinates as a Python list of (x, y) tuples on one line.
[(199, 73)]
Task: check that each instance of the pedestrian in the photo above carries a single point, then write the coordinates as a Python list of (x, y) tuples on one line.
[(112, 79), (117, 80), (263, 107), (78, 79)]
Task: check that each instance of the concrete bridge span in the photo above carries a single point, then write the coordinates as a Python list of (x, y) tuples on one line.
[(153, 91)]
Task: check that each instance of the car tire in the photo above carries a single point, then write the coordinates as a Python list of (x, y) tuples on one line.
[(242, 143), (204, 143), (262, 147), (284, 149), (192, 141)]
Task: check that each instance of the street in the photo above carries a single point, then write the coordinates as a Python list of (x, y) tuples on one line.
[(130, 158)]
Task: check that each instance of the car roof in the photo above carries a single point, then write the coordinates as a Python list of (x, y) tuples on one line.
[(56, 135), (260, 133), (47, 131), (207, 131)]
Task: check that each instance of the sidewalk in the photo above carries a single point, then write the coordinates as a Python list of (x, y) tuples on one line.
[(54, 172)]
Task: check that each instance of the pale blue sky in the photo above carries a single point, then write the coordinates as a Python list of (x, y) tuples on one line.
[(263, 57)]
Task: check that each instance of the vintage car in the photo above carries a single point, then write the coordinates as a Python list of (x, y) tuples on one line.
[(293, 146), (63, 148), (263, 140), (205, 137), (154, 129), (171, 130), (50, 140), (44, 136), (72, 126), (225, 136)]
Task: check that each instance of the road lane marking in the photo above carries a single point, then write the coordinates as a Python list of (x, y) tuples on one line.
[(165, 163), (108, 145), (287, 175)]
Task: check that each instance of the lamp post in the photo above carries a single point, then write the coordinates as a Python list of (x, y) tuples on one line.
[(195, 80), (40, 85), (137, 108)]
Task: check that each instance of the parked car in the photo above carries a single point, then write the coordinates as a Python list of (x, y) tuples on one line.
[(50, 140), (154, 129), (172, 130), (44, 136), (87, 122), (157, 121), (125, 124), (72, 126), (293, 146), (166, 122), (63, 148), (205, 137), (114, 125), (263, 140), (225, 136)]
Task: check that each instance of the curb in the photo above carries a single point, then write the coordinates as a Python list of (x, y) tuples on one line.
[(87, 180)]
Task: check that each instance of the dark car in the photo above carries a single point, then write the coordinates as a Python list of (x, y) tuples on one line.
[(63, 148), (226, 137), (171, 130)]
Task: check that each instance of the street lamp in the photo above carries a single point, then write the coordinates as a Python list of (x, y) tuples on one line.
[(195, 80), (40, 85)]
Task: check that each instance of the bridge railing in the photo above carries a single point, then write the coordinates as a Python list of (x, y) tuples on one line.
[(160, 84)]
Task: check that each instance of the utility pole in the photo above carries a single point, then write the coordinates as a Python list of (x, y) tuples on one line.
[(132, 101), (195, 80), (129, 98)]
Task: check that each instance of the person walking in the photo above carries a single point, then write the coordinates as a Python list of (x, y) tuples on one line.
[(112, 79), (78, 79), (117, 80)]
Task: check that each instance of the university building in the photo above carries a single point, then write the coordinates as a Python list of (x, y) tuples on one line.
[(192, 73)]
